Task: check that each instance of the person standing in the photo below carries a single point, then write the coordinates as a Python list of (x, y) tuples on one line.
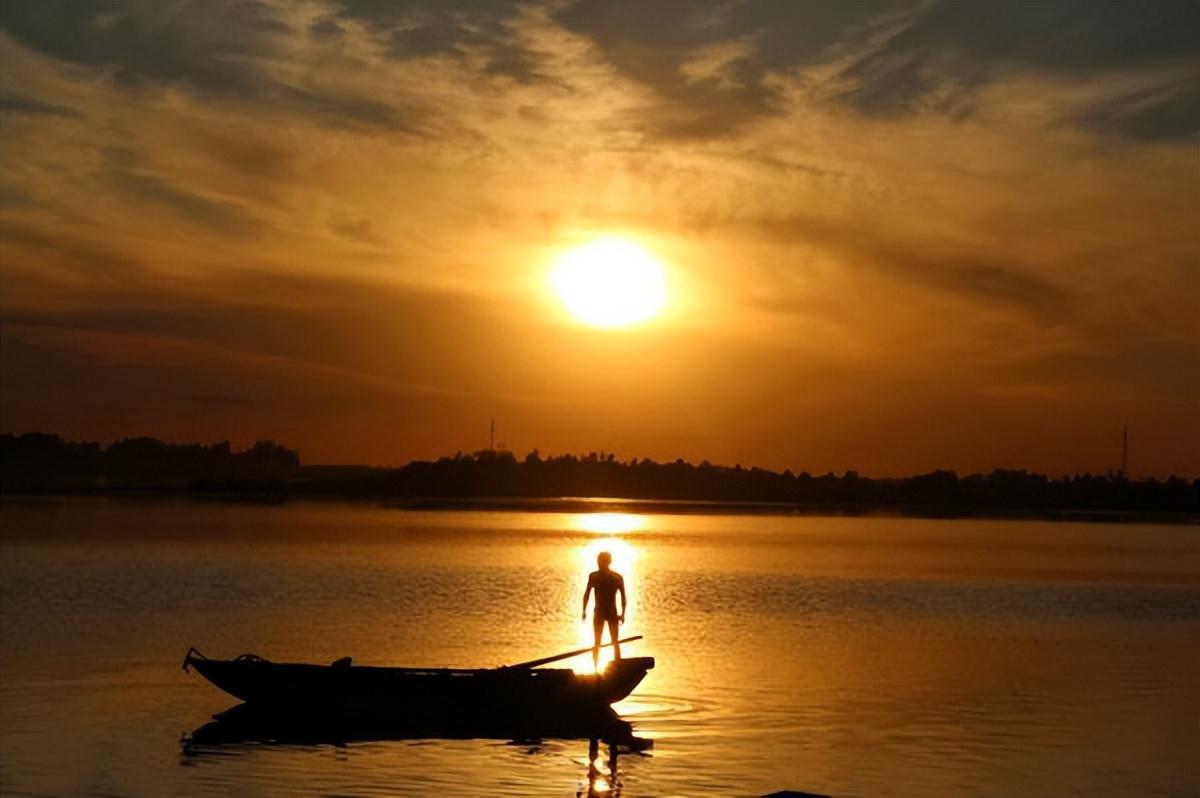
[(607, 583)]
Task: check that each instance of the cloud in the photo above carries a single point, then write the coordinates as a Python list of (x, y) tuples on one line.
[(964, 269), (658, 45), (234, 50), (189, 208), (708, 70), (884, 58), (326, 28), (943, 55), (342, 110), (212, 46), (988, 281), (419, 340), (1119, 368), (410, 29), (43, 266), (1156, 112), (14, 102), (12, 197)]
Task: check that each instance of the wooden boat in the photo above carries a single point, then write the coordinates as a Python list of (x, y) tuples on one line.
[(342, 686)]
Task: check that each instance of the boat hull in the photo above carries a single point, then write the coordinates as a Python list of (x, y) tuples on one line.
[(366, 689)]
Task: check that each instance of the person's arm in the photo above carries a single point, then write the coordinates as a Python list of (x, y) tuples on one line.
[(621, 590), (587, 591)]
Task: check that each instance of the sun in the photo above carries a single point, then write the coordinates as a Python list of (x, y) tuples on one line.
[(610, 282)]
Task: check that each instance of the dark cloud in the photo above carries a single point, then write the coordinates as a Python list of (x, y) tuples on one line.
[(319, 322), (326, 28), (86, 262), (13, 102), (904, 57), (190, 208), (422, 28), (981, 277), (220, 48), (12, 197), (651, 37), (208, 45), (1068, 36), (1165, 367), (513, 61), (652, 42), (903, 83), (154, 385), (1160, 112), (974, 273), (346, 110), (359, 230), (939, 56)]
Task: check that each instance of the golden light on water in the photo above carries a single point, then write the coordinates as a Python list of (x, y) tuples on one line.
[(608, 523), (610, 282), (625, 556)]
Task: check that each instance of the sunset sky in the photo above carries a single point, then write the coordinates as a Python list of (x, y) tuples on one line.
[(893, 236)]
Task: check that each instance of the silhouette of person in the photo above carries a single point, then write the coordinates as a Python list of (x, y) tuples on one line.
[(607, 583)]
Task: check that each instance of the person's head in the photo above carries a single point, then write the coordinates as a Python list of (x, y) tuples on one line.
[(604, 559)]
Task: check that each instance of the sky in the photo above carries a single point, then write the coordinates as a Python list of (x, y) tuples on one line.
[(897, 236)]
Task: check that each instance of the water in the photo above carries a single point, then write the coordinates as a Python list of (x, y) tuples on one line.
[(851, 656)]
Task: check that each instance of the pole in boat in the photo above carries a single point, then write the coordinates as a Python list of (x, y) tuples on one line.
[(533, 663)]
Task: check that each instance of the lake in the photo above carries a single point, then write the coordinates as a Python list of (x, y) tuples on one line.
[(854, 656)]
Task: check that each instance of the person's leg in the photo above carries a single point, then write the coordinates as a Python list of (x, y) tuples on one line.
[(612, 632), (598, 630)]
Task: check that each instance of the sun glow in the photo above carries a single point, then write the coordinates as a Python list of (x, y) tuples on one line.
[(608, 523), (610, 282)]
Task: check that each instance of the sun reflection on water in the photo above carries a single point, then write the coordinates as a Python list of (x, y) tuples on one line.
[(602, 776), (608, 523)]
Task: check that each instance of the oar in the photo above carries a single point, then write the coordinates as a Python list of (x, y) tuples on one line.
[(533, 663)]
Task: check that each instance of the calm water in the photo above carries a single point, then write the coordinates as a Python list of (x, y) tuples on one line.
[(853, 656)]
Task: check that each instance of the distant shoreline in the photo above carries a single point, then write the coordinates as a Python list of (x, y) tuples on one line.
[(45, 464), (611, 504)]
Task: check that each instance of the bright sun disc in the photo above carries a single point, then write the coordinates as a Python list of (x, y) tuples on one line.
[(610, 282)]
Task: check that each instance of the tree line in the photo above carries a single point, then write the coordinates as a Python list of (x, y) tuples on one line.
[(45, 463), (39, 462)]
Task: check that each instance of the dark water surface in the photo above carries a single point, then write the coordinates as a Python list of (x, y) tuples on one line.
[(853, 656)]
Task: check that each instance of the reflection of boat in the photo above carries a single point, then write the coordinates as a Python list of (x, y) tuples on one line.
[(252, 723), (358, 691)]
